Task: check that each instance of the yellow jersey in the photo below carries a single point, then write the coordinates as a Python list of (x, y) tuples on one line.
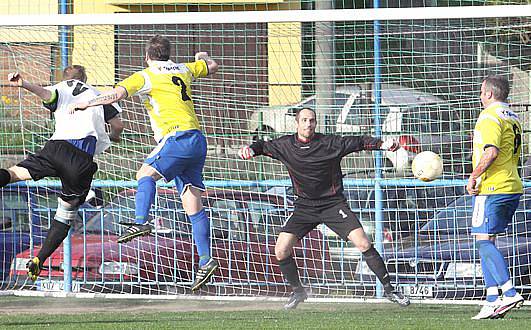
[(500, 127), (165, 90)]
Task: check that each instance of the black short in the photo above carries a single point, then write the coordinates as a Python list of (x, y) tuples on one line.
[(75, 168), (338, 217)]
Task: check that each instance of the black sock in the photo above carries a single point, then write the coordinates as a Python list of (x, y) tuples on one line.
[(5, 177), (288, 267), (377, 265), (55, 237)]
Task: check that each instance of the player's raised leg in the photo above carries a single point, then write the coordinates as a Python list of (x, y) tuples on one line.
[(147, 177), (64, 217), (76, 173), (182, 157), (13, 174)]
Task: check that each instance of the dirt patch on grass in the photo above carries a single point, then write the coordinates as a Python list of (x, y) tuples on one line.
[(51, 305)]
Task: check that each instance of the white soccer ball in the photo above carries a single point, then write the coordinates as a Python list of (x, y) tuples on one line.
[(427, 166)]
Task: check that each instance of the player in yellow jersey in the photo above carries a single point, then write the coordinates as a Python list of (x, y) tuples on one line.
[(165, 90), (497, 188)]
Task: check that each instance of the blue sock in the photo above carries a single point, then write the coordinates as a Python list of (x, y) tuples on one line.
[(144, 199), (490, 282), (201, 231), (493, 261)]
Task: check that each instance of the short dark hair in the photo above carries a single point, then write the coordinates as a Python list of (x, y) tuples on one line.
[(299, 111), (499, 86), (75, 72), (158, 48)]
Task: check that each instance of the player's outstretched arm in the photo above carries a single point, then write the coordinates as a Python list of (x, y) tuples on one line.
[(16, 79), (246, 153), (390, 145), (366, 142), (211, 64), (116, 94)]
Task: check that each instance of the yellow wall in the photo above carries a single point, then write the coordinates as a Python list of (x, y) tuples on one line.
[(94, 45), (170, 2), (284, 60), (27, 7), (30, 34), (284, 63)]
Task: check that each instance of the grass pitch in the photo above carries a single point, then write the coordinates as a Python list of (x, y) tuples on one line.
[(75, 313)]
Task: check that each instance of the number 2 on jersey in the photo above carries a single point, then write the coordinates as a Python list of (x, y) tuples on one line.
[(179, 82), (517, 138)]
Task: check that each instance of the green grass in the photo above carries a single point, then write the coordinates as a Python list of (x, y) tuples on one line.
[(70, 313)]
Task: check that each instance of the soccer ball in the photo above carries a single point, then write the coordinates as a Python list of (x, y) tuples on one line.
[(427, 166)]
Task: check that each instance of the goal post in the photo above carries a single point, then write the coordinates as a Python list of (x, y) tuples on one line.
[(424, 91)]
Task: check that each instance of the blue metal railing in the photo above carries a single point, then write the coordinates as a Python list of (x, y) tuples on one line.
[(269, 236), (260, 183)]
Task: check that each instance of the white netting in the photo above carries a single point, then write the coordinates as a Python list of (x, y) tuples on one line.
[(429, 71)]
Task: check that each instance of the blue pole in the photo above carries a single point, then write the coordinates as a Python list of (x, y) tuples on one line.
[(378, 194), (67, 262), (67, 244), (63, 35)]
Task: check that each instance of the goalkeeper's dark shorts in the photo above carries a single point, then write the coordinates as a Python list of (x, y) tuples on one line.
[(338, 217), (59, 158)]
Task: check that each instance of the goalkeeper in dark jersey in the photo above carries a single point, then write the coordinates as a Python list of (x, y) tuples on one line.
[(313, 162)]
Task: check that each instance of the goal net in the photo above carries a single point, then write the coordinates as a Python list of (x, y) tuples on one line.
[(413, 74)]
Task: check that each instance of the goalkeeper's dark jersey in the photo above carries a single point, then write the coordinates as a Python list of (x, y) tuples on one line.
[(315, 167)]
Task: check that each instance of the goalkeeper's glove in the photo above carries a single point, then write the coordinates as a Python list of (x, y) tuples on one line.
[(390, 145), (246, 152)]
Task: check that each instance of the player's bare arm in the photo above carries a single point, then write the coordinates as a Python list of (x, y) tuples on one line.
[(211, 64), (16, 79), (109, 97), (487, 158)]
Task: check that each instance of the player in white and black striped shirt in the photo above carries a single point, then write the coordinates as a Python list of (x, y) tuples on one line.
[(68, 154)]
